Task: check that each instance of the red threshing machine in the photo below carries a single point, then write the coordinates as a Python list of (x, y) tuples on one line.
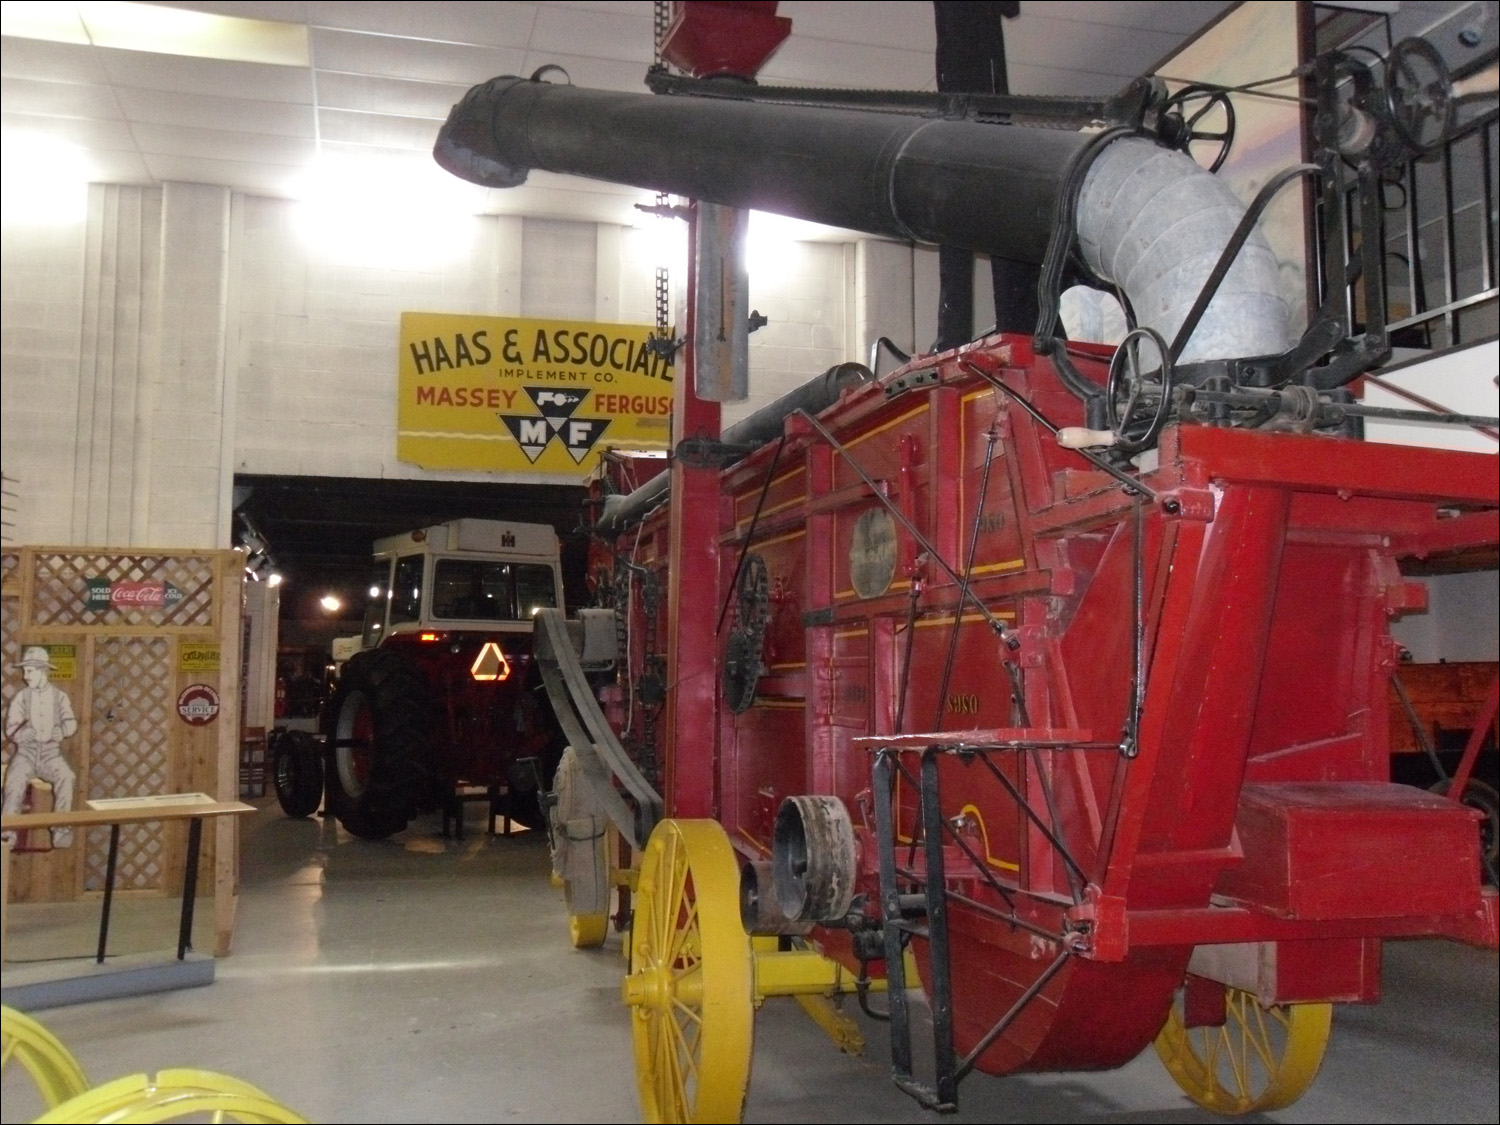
[(1053, 673)]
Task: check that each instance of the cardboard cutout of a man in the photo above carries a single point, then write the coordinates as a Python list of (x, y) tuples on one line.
[(40, 716)]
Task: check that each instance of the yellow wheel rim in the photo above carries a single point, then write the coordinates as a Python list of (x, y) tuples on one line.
[(52, 1066), (1262, 1058), (691, 977), (588, 931), (172, 1095)]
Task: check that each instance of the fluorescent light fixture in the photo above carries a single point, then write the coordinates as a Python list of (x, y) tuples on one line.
[(43, 19), (389, 212), (657, 241), (159, 30), (45, 181), (773, 244)]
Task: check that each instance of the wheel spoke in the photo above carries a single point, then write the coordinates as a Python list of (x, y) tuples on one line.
[(667, 899), (1261, 1039), (676, 1079), (685, 1049), (684, 940)]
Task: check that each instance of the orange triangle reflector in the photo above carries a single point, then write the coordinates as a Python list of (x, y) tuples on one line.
[(490, 664)]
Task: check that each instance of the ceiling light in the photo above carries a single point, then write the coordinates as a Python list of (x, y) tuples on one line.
[(330, 603), (45, 181), (160, 30), (773, 247), (385, 212)]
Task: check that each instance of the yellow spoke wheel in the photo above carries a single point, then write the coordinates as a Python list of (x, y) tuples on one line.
[(690, 982), (41, 1054), (173, 1095), (1262, 1058)]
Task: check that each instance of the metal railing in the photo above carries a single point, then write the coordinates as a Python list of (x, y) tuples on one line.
[(1439, 235)]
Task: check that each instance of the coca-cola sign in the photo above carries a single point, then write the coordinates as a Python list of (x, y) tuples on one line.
[(198, 705), (104, 593)]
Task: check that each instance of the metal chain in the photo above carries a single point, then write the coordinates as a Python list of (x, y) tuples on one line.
[(661, 18)]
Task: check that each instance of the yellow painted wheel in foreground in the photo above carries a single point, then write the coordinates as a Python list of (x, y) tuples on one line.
[(52, 1066), (588, 931), (172, 1096), (690, 984), (1260, 1059)]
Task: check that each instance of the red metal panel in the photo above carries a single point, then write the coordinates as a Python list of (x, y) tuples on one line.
[(1352, 850), (1333, 465)]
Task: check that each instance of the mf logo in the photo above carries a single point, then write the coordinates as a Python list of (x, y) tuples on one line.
[(554, 421)]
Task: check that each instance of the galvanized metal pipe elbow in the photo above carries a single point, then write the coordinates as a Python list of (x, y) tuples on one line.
[(1151, 221)]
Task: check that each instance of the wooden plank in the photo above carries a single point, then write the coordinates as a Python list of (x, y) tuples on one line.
[(84, 818), (28, 588), (226, 860)]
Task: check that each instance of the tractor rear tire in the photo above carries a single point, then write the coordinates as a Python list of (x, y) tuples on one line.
[(297, 769), (378, 754)]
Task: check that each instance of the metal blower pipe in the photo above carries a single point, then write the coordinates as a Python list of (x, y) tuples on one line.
[(913, 178), (1149, 219)]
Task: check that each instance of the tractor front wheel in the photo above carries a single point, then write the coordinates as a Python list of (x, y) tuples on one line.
[(378, 756), (297, 769)]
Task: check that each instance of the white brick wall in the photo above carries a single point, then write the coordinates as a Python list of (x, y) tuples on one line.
[(297, 342), (801, 289), (41, 309)]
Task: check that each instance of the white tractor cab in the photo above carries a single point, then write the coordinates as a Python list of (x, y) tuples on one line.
[(469, 574), (443, 695)]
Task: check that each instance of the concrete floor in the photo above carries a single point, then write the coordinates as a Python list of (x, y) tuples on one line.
[(426, 980)]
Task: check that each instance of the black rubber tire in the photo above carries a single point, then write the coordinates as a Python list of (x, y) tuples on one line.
[(297, 771), (377, 767)]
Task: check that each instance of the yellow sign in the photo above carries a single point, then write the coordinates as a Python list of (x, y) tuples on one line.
[(64, 661), (544, 396), (197, 658)]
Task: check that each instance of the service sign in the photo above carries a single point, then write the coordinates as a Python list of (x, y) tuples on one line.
[(198, 705), (539, 396)]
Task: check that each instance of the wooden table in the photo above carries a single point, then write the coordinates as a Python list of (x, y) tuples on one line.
[(195, 808)]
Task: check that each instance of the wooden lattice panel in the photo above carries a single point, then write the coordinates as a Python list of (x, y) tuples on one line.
[(10, 637), (132, 693), (118, 624), (61, 580)]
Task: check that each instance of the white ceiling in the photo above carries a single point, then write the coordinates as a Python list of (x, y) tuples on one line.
[(384, 75)]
